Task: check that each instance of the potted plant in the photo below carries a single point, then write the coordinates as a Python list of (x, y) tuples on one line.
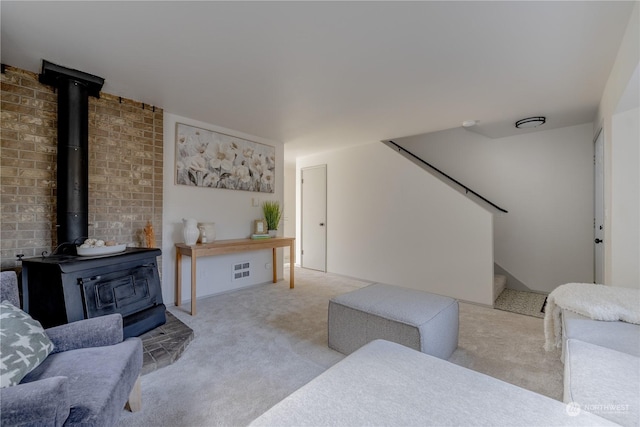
[(272, 214)]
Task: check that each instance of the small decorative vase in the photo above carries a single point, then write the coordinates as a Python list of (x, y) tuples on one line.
[(190, 231), (207, 232), (273, 233)]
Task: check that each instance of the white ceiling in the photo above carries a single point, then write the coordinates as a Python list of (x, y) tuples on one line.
[(321, 75)]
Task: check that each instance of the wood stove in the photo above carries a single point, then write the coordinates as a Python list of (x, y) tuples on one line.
[(65, 287), (60, 289)]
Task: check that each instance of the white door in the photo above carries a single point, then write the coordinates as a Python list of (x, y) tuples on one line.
[(598, 222), (314, 218)]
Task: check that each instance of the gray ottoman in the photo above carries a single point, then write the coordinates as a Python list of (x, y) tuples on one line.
[(419, 320)]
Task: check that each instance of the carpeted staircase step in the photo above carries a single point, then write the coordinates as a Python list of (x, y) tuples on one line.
[(499, 283)]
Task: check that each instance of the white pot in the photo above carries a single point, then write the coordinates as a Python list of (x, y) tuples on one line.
[(190, 231)]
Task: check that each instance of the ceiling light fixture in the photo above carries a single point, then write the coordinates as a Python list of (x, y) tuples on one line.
[(469, 123), (531, 122)]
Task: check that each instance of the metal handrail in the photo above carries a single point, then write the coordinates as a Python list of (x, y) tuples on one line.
[(467, 189)]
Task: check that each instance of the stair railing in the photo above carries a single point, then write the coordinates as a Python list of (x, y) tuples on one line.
[(450, 178)]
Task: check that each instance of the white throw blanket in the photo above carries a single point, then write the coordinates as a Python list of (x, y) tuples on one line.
[(598, 302)]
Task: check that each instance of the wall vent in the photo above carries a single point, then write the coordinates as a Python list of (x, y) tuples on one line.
[(241, 270)]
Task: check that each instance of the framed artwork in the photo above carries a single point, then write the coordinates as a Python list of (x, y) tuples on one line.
[(260, 226), (205, 158)]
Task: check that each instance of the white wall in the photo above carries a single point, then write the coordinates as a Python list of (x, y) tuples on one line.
[(232, 212), (544, 179), (389, 221), (622, 73), (289, 212), (625, 209)]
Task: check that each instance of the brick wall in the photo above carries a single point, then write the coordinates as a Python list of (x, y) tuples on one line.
[(125, 168)]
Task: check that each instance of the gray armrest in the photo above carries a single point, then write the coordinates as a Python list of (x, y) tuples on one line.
[(41, 403), (95, 332), (9, 287)]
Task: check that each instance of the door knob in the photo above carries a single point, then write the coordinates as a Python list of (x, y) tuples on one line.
[(598, 241)]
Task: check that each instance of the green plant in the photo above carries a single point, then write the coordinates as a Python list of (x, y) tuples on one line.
[(272, 214)]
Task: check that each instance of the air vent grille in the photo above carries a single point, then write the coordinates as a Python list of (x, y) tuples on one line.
[(241, 270)]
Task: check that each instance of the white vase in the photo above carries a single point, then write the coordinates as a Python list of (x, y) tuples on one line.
[(273, 233), (207, 232), (190, 231)]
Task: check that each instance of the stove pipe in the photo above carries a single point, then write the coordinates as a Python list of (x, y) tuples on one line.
[(74, 88)]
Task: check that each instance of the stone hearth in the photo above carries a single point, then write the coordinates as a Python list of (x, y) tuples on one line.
[(165, 344)]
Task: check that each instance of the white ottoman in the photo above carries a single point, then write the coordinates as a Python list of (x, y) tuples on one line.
[(420, 320)]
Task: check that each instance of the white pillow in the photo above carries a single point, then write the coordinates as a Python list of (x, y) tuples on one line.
[(23, 344)]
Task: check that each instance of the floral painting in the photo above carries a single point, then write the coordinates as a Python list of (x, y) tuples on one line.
[(206, 158)]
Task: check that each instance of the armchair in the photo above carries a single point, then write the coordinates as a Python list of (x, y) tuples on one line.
[(86, 380)]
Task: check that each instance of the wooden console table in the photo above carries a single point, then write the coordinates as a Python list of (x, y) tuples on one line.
[(220, 247)]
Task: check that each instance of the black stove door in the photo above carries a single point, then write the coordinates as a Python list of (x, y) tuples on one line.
[(125, 292)]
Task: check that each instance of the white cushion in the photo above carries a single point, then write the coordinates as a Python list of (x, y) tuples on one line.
[(602, 381), (387, 384), (620, 336)]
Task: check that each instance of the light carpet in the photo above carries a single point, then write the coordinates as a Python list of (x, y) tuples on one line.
[(255, 346)]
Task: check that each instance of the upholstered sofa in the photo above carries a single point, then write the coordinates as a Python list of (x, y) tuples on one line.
[(85, 380), (387, 384), (602, 367)]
